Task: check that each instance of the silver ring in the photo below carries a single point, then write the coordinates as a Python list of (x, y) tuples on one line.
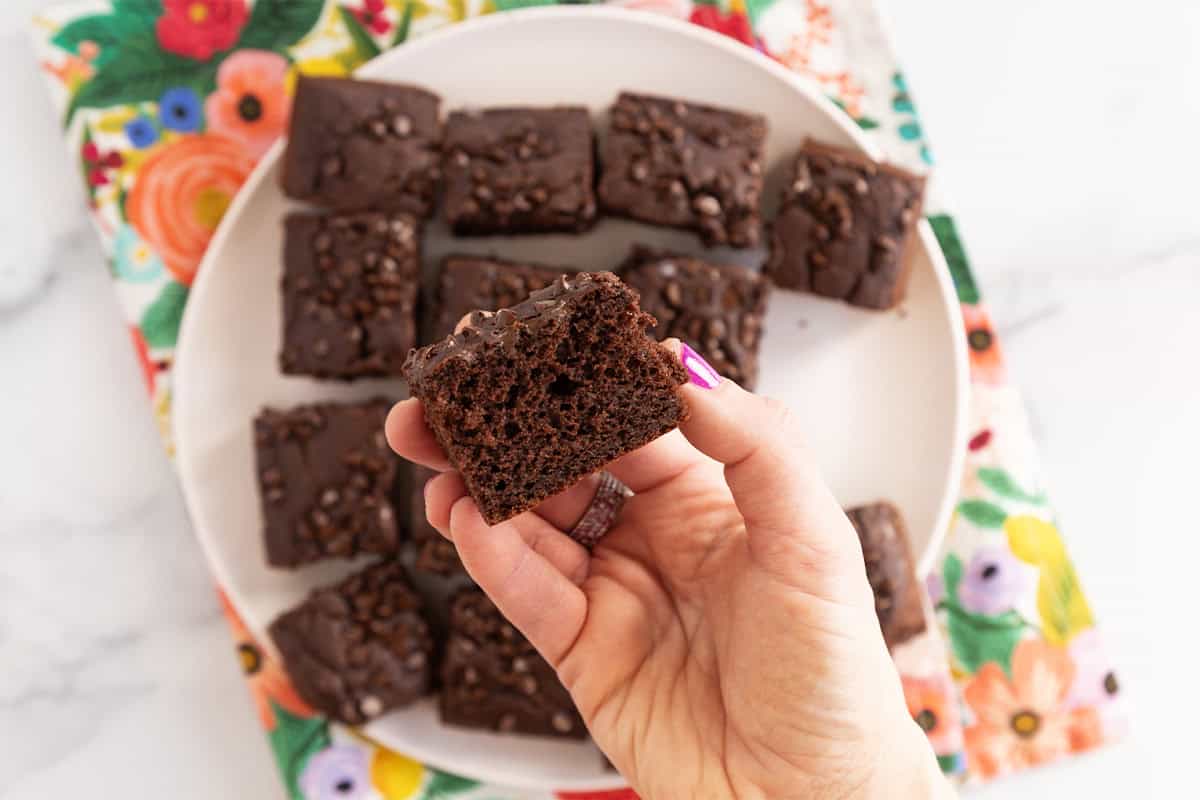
[(596, 521)]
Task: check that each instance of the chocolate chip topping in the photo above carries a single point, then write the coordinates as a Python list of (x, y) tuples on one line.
[(685, 165), (843, 227), (718, 309), (359, 648), (325, 477), (357, 144), (350, 290), (519, 170), (493, 678)]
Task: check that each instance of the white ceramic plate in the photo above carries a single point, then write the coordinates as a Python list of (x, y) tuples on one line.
[(882, 395)]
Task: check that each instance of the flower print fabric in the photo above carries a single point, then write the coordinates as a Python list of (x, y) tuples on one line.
[(199, 28), (250, 104), (1025, 720), (180, 195)]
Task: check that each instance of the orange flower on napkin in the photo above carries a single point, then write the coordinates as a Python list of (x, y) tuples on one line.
[(267, 680), (180, 195), (1026, 720), (250, 103)]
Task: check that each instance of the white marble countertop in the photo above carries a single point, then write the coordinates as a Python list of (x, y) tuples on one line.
[(1066, 129)]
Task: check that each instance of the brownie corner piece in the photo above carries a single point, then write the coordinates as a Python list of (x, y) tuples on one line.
[(890, 570), (685, 165), (718, 309), (359, 648), (467, 283), (493, 678), (527, 400), (355, 144), (351, 285), (845, 227), (326, 477), (519, 170)]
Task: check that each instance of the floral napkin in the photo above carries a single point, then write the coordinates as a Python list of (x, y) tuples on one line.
[(166, 106)]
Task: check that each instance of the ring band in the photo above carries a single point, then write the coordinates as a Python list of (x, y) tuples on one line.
[(596, 521)]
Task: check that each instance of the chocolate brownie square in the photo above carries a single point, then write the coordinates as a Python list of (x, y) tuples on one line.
[(890, 570), (527, 400), (434, 553), (357, 144), (326, 477), (482, 283), (718, 309), (493, 678), (519, 170), (350, 288), (358, 648), (685, 165), (845, 227)]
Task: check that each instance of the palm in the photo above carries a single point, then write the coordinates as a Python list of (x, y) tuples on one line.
[(699, 618), (721, 640)]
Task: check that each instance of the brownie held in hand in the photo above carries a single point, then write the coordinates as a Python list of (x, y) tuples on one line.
[(718, 309), (356, 144), (684, 165), (326, 477), (482, 283), (890, 571), (360, 648), (350, 289), (845, 227), (493, 678), (519, 170), (527, 400)]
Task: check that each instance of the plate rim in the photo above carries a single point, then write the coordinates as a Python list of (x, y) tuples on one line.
[(498, 20)]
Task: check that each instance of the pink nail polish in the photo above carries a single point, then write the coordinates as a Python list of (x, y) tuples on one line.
[(699, 371)]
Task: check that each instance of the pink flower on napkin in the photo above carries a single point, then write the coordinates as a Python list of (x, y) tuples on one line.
[(250, 103)]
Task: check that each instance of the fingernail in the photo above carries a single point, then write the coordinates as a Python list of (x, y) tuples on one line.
[(699, 371)]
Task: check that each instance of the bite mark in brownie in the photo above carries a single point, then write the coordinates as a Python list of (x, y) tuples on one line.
[(354, 145), (359, 648), (718, 309), (350, 288), (846, 227), (493, 678), (685, 165), (526, 401), (482, 283), (890, 570), (519, 170), (325, 477)]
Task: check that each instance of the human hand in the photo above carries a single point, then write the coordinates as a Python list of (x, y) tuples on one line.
[(721, 641)]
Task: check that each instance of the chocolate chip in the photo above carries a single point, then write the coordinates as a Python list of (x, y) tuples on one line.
[(401, 125), (561, 721), (329, 498), (507, 723), (638, 171), (320, 348), (331, 166), (377, 128), (529, 685), (370, 706), (707, 205)]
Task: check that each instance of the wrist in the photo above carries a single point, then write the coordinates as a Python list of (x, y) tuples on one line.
[(909, 769)]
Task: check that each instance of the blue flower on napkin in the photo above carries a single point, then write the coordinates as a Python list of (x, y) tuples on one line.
[(179, 109)]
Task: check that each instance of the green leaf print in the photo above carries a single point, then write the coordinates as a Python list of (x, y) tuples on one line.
[(140, 72), (405, 23), (956, 257), (952, 572), (1003, 484), (983, 513), (367, 49), (445, 785), (279, 24), (948, 764), (755, 9), (294, 741), (977, 639), (106, 31), (867, 123), (160, 322), (510, 5)]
